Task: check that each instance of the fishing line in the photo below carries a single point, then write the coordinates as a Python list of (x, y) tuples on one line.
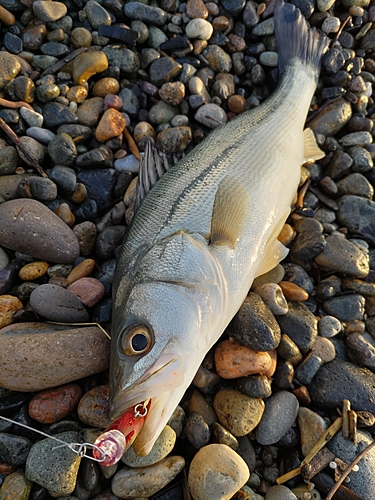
[(79, 449)]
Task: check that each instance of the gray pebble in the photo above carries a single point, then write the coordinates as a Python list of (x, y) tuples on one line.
[(273, 296), (211, 115), (162, 70), (279, 492), (96, 14), (222, 436), (346, 307), (162, 113), (358, 215), (329, 326), (266, 27), (54, 468), (62, 150), (340, 255), (155, 38), (361, 349), (8, 160), (197, 431), (145, 13), (255, 386), (279, 415), (123, 58), (162, 447), (297, 275), (218, 59), (14, 449), (65, 179), (269, 58), (43, 189), (47, 92), (307, 369), (177, 420), (356, 184), (255, 326), (356, 139), (42, 135), (300, 325), (31, 117), (4, 259), (58, 304), (59, 270), (127, 164), (362, 160)]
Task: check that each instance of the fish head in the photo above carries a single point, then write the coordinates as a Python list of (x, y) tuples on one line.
[(160, 336)]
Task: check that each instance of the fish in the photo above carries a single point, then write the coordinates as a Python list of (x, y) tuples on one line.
[(202, 234)]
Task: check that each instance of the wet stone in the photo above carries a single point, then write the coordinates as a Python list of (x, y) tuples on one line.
[(255, 386), (238, 413), (362, 349), (216, 471), (255, 326), (341, 255), (280, 414), (300, 325), (329, 326), (197, 431), (54, 468), (14, 449), (145, 481)]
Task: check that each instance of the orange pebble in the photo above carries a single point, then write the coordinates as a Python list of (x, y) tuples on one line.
[(83, 269), (6, 17), (234, 360), (287, 234), (293, 291), (354, 326), (111, 124), (271, 370), (33, 270), (237, 104)]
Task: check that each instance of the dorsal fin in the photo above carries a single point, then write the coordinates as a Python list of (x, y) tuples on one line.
[(152, 167), (230, 211), (312, 152)]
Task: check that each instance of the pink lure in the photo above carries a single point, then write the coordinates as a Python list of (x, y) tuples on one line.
[(120, 435)]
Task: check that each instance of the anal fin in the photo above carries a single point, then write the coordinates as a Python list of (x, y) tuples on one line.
[(230, 212), (312, 152), (273, 254)]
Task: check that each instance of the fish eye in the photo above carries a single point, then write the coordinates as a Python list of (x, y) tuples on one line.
[(138, 340)]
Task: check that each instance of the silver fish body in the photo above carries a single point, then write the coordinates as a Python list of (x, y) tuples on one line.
[(201, 236)]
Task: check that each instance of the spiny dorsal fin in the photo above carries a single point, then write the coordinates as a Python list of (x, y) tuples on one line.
[(312, 151), (230, 211), (152, 167)]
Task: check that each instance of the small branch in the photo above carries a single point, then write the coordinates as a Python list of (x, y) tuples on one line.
[(9, 132), (132, 144), (63, 62), (348, 470), (302, 193), (15, 104)]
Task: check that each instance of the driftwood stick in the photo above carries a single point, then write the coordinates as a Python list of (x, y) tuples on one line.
[(13, 136), (63, 62)]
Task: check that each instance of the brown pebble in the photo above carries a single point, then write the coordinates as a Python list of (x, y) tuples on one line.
[(197, 403), (355, 326), (113, 101), (82, 270), (237, 104), (261, 8), (58, 280), (80, 193), (234, 360), (272, 368), (196, 8), (33, 271), (199, 46), (86, 234), (88, 290), (16, 487), (7, 469), (105, 86), (65, 214), (121, 153), (80, 37), (172, 93), (303, 395), (77, 94), (93, 409), (9, 305), (85, 65), (111, 125), (287, 234), (6, 17), (293, 291), (53, 405), (220, 23), (142, 130)]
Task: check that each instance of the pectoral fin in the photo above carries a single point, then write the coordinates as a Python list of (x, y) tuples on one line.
[(312, 151), (230, 212)]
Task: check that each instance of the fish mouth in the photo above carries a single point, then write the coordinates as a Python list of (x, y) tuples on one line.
[(160, 387)]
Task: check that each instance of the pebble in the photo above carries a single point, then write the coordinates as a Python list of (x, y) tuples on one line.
[(280, 413), (199, 28), (41, 135), (96, 14), (279, 492), (329, 326), (14, 449), (53, 405), (222, 436), (62, 149), (288, 350), (93, 408), (162, 70), (356, 184), (324, 349), (211, 115), (54, 468), (197, 430), (111, 124), (174, 140), (86, 234), (357, 215), (4, 259), (88, 290), (216, 471), (255, 326), (162, 447), (233, 360), (292, 291), (272, 295), (145, 481), (362, 482), (332, 118), (346, 307), (9, 305), (16, 486), (33, 271), (58, 304), (32, 118), (361, 349), (23, 345), (256, 386), (198, 404), (10, 67), (145, 13), (47, 12), (300, 325), (356, 139), (311, 426), (238, 413)]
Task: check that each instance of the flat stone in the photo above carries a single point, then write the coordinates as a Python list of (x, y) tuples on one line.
[(123, 58), (357, 214), (68, 354), (145, 481), (55, 469), (29, 227), (279, 415), (58, 304), (145, 13), (216, 471), (332, 118), (97, 15), (346, 307)]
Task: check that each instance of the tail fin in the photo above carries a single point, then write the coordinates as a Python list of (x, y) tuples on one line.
[(295, 40)]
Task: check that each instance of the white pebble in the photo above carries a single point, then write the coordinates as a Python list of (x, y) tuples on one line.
[(31, 117), (331, 25), (199, 28)]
